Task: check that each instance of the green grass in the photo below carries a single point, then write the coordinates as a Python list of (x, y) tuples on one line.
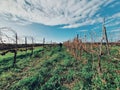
[(52, 69)]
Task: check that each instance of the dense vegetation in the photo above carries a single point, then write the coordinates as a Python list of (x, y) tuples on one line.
[(52, 68)]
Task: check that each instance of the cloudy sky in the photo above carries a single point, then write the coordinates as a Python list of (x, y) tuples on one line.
[(60, 20)]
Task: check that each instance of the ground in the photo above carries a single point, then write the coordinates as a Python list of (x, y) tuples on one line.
[(52, 68)]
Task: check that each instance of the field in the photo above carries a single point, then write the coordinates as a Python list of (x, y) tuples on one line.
[(54, 68), (59, 44)]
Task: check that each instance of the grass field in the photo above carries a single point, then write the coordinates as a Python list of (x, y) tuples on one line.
[(55, 69)]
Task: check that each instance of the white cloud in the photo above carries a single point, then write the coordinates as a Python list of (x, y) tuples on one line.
[(115, 4), (116, 30), (113, 20), (86, 22), (82, 30), (113, 24), (70, 13), (108, 2), (117, 15)]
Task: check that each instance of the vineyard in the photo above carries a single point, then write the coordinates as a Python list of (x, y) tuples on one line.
[(74, 65), (54, 68), (59, 44)]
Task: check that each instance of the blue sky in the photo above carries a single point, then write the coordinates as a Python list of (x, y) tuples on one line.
[(61, 20)]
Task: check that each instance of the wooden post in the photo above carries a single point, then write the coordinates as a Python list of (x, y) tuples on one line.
[(91, 46), (15, 56), (26, 45), (32, 45), (15, 50), (85, 42), (1, 37), (80, 48), (16, 37), (77, 51), (104, 37), (99, 65), (43, 42)]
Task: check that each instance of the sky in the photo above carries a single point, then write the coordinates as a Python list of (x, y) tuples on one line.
[(61, 20)]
